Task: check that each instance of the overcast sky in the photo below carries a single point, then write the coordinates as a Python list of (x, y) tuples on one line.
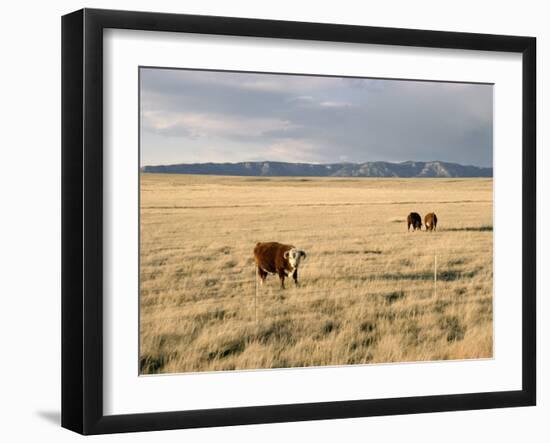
[(205, 116)]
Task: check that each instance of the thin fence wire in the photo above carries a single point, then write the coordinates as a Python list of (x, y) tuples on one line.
[(374, 256), (419, 267), (418, 275)]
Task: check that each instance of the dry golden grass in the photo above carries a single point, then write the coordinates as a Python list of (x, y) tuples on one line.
[(367, 292)]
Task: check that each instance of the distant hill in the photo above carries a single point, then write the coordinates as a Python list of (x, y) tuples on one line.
[(367, 169)]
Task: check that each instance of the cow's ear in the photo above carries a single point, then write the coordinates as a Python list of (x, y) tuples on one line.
[(285, 255), (304, 256)]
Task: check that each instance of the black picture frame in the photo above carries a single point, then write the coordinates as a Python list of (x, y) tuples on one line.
[(82, 219)]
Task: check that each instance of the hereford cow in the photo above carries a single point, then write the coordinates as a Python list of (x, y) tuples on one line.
[(276, 258), (430, 220), (414, 220)]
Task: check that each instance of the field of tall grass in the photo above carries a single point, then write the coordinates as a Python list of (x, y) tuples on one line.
[(370, 292)]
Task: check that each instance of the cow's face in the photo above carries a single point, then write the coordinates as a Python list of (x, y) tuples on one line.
[(295, 256)]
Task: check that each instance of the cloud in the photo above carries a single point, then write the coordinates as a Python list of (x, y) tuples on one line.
[(322, 119), (334, 104), (207, 125), (292, 150)]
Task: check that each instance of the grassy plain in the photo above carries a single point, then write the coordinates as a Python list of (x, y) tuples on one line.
[(367, 292)]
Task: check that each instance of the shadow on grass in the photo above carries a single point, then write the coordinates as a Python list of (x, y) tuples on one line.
[(231, 347), (277, 331), (448, 275), (392, 297), (485, 228), (353, 252), (453, 328), (152, 364)]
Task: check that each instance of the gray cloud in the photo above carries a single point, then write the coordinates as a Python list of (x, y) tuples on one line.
[(193, 116)]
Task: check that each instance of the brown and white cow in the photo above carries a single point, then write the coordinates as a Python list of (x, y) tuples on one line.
[(430, 220), (277, 258), (414, 220)]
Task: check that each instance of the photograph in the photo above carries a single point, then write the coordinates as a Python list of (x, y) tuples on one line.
[(300, 220)]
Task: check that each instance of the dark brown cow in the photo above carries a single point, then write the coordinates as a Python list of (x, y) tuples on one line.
[(414, 220), (276, 258), (430, 220)]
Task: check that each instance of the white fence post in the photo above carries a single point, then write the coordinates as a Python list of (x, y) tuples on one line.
[(435, 275), (256, 296)]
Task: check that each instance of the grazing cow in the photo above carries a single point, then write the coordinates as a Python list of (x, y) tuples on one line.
[(430, 220), (276, 258), (414, 220)]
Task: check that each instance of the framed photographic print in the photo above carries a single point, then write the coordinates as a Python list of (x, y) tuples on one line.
[(268, 221)]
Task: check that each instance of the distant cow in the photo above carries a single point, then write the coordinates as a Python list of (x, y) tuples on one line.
[(414, 220), (430, 220), (276, 258)]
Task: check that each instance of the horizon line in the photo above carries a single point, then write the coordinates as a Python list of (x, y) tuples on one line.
[(315, 163)]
